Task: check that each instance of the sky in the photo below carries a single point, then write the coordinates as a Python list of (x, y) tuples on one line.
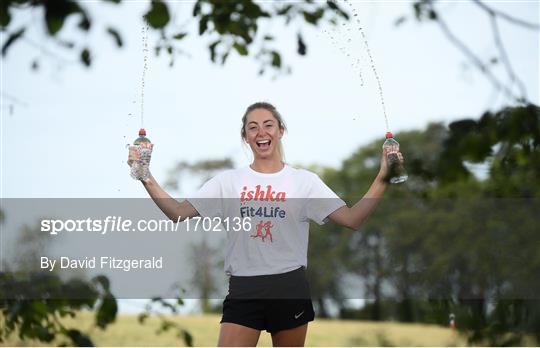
[(66, 137), (64, 129)]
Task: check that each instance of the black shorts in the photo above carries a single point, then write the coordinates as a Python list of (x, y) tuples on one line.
[(269, 302)]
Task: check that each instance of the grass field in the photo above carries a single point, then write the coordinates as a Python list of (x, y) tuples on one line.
[(127, 331)]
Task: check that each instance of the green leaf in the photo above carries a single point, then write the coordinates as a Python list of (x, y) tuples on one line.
[(180, 36), (5, 16), (158, 15), (106, 312), (197, 8), (79, 339), (84, 24), (310, 17), (276, 59), (103, 281), (56, 13), (224, 58), (302, 49), (212, 49), (116, 36), (11, 39), (241, 49), (39, 308), (284, 10), (54, 24), (85, 57), (203, 24), (188, 339), (417, 10), (334, 6)]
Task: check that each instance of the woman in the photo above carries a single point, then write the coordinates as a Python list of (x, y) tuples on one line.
[(267, 285)]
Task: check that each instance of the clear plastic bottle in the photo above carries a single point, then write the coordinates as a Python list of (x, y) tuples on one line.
[(140, 168), (396, 169)]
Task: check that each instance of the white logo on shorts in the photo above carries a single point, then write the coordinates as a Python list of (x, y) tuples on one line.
[(296, 316)]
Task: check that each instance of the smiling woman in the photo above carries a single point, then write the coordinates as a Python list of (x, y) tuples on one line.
[(266, 262), (263, 125)]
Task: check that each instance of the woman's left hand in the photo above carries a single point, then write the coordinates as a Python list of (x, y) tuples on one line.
[(383, 170)]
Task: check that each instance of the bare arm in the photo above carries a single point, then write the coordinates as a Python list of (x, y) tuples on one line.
[(168, 205), (354, 216), (173, 209)]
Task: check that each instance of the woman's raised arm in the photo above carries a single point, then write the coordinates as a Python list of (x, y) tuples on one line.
[(354, 216), (174, 210)]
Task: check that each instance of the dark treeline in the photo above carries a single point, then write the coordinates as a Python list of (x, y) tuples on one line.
[(459, 237)]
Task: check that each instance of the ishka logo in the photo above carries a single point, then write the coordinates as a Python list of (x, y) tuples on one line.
[(259, 194), (266, 226)]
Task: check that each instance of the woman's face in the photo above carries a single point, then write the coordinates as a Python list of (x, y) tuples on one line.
[(263, 134)]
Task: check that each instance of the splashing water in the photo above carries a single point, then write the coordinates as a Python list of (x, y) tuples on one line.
[(368, 52), (144, 33), (346, 40)]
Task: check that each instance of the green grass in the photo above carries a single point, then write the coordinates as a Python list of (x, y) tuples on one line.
[(127, 331)]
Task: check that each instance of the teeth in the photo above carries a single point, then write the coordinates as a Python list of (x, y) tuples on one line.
[(263, 142)]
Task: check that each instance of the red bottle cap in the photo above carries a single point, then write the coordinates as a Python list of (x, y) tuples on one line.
[(142, 132), (388, 135)]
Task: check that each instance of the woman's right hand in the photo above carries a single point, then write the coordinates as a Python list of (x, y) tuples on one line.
[(133, 155)]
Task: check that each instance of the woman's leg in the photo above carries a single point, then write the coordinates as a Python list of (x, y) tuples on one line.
[(234, 335), (291, 337)]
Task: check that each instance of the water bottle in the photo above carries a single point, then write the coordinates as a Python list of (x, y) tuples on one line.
[(397, 172), (140, 168)]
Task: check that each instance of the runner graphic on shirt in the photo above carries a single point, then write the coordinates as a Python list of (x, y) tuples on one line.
[(267, 232)]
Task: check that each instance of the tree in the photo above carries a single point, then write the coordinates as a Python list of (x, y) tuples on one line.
[(428, 11), (32, 303), (32, 306), (447, 241), (229, 26)]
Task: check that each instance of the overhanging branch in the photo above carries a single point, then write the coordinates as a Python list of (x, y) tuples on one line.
[(507, 17)]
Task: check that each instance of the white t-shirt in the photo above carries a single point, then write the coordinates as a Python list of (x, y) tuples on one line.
[(277, 206)]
